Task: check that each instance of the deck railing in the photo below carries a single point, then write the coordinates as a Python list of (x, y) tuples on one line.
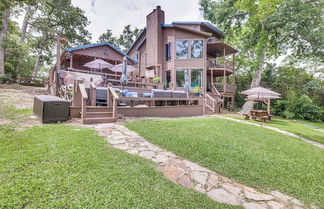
[(221, 63), (221, 87), (115, 78)]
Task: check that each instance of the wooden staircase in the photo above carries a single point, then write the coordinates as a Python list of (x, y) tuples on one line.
[(98, 114)]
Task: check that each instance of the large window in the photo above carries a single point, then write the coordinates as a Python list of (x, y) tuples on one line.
[(196, 77), (167, 51), (197, 49), (182, 49), (180, 78), (168, 79)]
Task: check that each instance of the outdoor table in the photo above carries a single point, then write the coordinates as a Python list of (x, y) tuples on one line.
[(260, 114)]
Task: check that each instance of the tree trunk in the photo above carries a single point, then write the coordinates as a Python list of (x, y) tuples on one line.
[(3, 34), (36, 66), (248, 105), (28, 14)]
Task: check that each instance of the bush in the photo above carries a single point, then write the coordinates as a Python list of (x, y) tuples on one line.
[(301, 107), (5, 78)]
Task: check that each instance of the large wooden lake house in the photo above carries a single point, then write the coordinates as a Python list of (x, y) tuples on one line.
[(181, 69)]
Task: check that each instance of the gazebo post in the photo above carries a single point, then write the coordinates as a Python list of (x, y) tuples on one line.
[(268, 107)]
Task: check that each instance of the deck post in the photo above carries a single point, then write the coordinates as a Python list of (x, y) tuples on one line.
[(224, 74)]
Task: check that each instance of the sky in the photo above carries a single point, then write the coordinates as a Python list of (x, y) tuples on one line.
[(115, 14)]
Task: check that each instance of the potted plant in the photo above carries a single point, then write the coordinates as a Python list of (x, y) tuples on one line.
[(196, 90), (156, 80)]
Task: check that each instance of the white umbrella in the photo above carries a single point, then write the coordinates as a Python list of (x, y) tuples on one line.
[(120, 68), (98, 64)]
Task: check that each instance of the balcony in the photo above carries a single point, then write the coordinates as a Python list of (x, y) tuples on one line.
[(226, 88), (219, 65)]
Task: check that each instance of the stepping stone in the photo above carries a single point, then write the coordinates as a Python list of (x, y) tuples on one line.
[(275, 205), (122, 146), (199, 177), (132, 151), (185, 181), (221, 195), (252, 194), (147, 154), (281, 197), (171, 173), (253, 205), (159, 158), (200, 188), (232, 189)]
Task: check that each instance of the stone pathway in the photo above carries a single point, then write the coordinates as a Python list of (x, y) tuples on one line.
[(317, 144), (192, 175)]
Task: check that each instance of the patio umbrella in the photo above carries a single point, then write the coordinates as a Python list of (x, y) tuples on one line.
[(187, 86), (98, 64), (260, 91), (261, 94), (124, 77), (120, 68)]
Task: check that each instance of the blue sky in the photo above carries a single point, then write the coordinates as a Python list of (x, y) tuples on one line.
[(115, 14)]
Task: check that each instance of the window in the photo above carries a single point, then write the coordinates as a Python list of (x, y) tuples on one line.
[(197, 49), (167, 51), (168, 79), (182, 49), (136, 55), (196, 77), (180, 77)]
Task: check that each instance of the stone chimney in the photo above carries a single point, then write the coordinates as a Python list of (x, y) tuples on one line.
[(154, 36)]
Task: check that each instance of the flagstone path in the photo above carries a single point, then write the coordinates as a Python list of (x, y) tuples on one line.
[(192, 175), (317, 144)]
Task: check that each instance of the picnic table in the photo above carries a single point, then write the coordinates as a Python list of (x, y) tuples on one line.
[(261, 115)]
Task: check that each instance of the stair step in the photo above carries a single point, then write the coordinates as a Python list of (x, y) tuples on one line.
[(99, 114), (98, 109), (99, 120)]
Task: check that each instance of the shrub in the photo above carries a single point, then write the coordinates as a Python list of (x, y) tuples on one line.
[(301, 107), (5, 78)]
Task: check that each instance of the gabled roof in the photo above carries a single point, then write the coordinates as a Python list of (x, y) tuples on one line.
[(101, 44), (139, 35), (206, 24)]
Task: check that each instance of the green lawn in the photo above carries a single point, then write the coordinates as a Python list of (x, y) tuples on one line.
[(251, 155), (57, 166), (297, 127)]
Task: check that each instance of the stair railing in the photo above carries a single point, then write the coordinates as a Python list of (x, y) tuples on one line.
[(84, 97), (93, 94), (112, 97)]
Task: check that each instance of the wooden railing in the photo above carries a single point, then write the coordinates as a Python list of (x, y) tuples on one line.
[(211, 103), (84, 98), (115, 78), (214, 90), (221, 87), (93, 94), (221, 63), (112, 98)]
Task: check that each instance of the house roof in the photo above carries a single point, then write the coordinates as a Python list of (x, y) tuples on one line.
[(101, 44), (139, 35), (206, 24), (173, 24)]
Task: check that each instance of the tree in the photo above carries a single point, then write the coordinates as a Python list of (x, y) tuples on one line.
[(265, 29), (124, 41), (57, 17), (127, 37), (109, 38), (5, 16)]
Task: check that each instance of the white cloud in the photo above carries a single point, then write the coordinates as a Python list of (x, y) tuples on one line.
[(115, 14)]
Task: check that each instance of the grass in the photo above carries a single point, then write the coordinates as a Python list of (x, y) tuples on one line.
[(251, 155), (57, 166), (297, 127)]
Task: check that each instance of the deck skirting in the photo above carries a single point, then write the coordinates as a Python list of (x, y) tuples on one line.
[(162, 111)]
